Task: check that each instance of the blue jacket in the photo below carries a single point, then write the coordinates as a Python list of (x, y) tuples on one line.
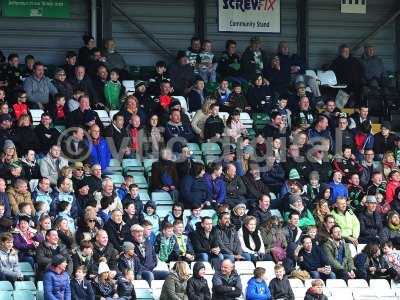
[(82, 291), (257, 290), (194, 191), (337, 190), (61, 196), (56, 286), (100, 154), (147, 262), (7, 208), (217, 188), (38, 195)]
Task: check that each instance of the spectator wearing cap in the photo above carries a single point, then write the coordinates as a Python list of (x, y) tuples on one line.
[(384, 141), (52, 163), (391, 230), (181, 74), (49, 248), (76, 118), (347, 220), (254, 59), (296, 204), (197, 95), (142, 94), (56, 281), (38, 87), (370, 222), (99, 150), (86, 51), (146, 255), (128, 259)]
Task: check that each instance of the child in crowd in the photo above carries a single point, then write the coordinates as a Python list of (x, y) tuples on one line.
[(125, 288), (148, 232), (123, 189), (113, 90), (25, 209), (64, 211), (237, 100), (166, 245), (73, 103), (207, 66), (238, 215), (151, 216), (133, 196), (257, 287), (286, 113), (21, 106), (131, 215), (59, 110), (280, 286), (193, 219), (186, 251), (316, 291), (222, 93), (105, 286), (157, 77), (392, 257), (81, 288)]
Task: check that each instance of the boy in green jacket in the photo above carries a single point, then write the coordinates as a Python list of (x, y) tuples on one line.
[(112, 90)]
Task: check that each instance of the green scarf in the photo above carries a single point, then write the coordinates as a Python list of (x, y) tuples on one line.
[(394, 227), (166, 248)]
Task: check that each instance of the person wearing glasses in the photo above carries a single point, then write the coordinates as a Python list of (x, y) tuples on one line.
[(62, 84)]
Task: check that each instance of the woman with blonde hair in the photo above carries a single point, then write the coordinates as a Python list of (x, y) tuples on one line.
[(388, 163), (321, 210), (26, 135), (131, 107), (174, 287), (200, 117)]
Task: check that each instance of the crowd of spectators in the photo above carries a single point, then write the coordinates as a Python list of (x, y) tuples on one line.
[(310, 185)]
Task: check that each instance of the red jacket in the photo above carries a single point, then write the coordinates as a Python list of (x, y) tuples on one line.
[(390, 190)]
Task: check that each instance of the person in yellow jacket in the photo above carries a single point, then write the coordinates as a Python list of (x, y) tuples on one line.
[(347, 220)]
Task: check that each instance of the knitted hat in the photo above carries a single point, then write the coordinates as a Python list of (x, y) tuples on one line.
[(8, 144), (314, 175), (58, 259), (103, 267), (139, 84), (240, 205), (81, 183), (248, 150), (126, 246), (181, 54), (294, 174), (5, 117), (88, 116), (371, 199), (294, 198), (387, 125)]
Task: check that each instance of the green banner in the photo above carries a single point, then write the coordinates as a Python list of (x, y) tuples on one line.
[(31, 8)]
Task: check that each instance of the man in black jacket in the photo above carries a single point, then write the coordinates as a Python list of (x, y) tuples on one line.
[(82, 81), (226, 282), (103, 248), (75, 147), (117, 229), (214, 126), (47, 135), (206, 242), (76, 117), (277, 127), (262, 211), (117, 132), (255, 186), (370, 222)]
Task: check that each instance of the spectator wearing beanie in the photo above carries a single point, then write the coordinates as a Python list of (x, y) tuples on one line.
[(238, 215), (128, 259)]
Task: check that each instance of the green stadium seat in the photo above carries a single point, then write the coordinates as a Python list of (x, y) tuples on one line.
[(23, 295), (194, 148), (147, 163), (117, 179), (25, 285), (115, 165), (161, 197), (210, 158), (26, 269), (139, 179), (144, 196), (7, 295), (60, 128), (6, 286), (132, 164), (144, 294), (210, 149)]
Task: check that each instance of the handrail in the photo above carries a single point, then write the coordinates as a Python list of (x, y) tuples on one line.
[(118, 8)]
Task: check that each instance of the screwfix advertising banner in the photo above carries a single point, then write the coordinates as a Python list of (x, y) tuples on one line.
[(249, 16)]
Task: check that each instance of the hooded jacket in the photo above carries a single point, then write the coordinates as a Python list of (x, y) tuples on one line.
[(174, 288), (257, 290), (226, 288), (197, 287), (56, 286)]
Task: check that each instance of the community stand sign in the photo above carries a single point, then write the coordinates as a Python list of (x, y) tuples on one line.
[(249, 16), (35, 8)]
